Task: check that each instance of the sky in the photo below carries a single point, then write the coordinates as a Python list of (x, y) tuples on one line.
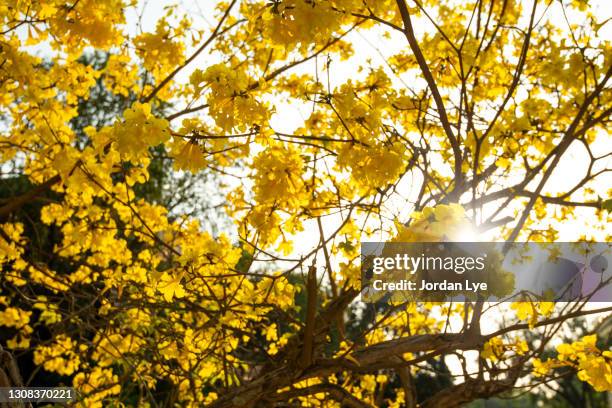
[(145, 15), (573, 167)]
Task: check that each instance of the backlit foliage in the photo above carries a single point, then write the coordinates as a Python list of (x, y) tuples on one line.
[(456, 121)]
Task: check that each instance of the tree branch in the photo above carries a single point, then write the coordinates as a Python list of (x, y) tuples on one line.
[(17, 202), (414, 46)]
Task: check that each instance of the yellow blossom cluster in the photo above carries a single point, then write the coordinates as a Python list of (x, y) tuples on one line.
[(434, 224), (593, 365), (495, 349), (231, 100)]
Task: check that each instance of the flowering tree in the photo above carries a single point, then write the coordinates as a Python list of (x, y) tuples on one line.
[(463, 119)]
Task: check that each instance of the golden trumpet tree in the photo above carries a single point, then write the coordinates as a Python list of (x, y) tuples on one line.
[(461, 116)]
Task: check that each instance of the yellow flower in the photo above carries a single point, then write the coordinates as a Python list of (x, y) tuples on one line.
[(188, 156), (170, 286)]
